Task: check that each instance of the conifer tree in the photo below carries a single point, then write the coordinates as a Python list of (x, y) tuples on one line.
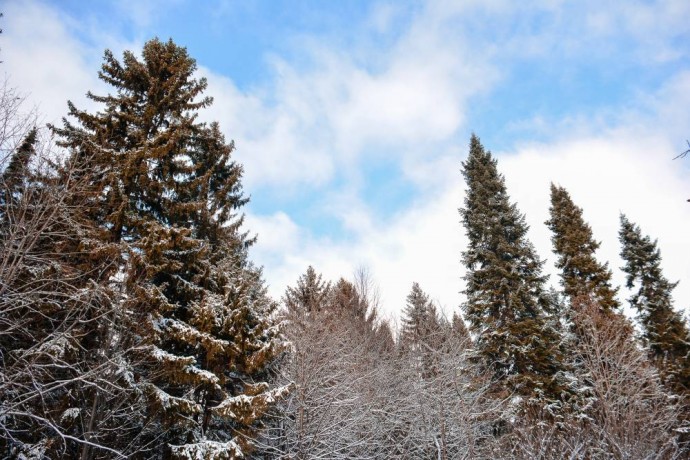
[(17, 173), (346, 303), (664, 330), (17, 167), (310, 294), (507, 306), (421, 333), (166, 194), (581, 273), (459, 329), (416, 321)]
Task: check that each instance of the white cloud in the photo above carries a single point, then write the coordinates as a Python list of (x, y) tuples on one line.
[(630, 173), (308, 125), (348, 107), (41, 55), (626, 168), (605, 176)]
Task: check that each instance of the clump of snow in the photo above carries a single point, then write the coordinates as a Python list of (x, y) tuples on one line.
[(208, 450), (70, 414), (168, 402), (33, 451)]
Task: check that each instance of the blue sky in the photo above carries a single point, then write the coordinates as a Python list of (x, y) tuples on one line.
[(352, 117)]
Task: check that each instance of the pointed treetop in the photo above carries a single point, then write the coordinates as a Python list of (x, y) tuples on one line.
[(310, 295), (507, 308), (581, 274), (17, 167), (664, 329)]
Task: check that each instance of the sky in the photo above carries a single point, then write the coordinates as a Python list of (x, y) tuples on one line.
[(352, 118)]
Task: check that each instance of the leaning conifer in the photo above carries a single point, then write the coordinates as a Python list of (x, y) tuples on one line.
[(507, 307), (166, 193), (581, 273), (664, 330)]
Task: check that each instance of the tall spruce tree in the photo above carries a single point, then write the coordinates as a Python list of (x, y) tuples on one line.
[(166, 194), (581, 273), (664, 330), (507, 306)]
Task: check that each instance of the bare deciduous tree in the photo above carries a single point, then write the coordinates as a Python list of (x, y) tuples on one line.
[(64, 386), (631, 414)]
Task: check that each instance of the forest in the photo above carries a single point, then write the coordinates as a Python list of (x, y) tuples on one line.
[(134, 324)]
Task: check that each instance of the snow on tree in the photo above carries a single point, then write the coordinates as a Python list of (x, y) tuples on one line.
[(166, 192), (55, 311), (581, 273), (354, 398), (629, 414), (507, 307), (664, 330), (422, 331)]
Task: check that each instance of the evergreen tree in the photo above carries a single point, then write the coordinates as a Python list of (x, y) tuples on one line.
[(416, 321), (459, 329), (581, 274), (166, 193), (346, 303), (507, 306), (18, 166), (421, 333), (384, 342), (664, 330), (16, 175), (310, 294)]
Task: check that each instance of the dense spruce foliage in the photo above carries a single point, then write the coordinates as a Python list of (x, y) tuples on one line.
[(665, 332), (133, 323), (573, 242), (508, 307), (171, 312)]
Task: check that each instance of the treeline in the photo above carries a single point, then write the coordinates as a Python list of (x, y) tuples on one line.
[(133, 323)]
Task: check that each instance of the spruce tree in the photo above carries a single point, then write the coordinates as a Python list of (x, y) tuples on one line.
[(421, 332), (18, 166), (310, 295), (664, 330), (54, 308), (459, 329), (16, 175), (581, 273), (507, 307), (346, 303), (416, 321), (166, 194)]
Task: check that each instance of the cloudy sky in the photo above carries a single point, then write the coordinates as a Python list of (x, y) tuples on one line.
[(352, 118)]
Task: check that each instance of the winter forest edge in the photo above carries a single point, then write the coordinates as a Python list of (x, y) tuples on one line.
[(133, 323)]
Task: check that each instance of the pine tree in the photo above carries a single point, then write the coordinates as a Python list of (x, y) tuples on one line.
[(581, 274), (507, 306), (166, 194), (421, 332), (664, 330), (17, 167)]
